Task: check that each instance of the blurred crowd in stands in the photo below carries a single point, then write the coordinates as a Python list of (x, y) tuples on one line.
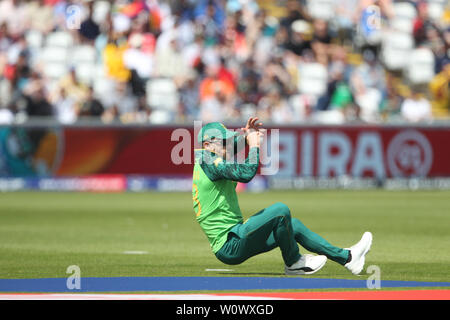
[(291, 61)]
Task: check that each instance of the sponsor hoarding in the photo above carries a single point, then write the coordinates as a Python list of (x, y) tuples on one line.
[(314, 152)]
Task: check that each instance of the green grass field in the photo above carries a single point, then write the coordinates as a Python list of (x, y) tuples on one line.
[(41, 234)]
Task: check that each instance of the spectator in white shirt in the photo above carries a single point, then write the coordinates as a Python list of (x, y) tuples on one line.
[(416, 108)]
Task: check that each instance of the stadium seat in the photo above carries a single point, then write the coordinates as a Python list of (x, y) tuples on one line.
[(333, 116), (59, 39), (420, 68), (395, 49), (34, 39), (162, 93), (54, 54), (404, 10), (436, 9), (103, 86), (402, 25), (83, 54), (55, 70), (85, 72), (321, 9), (101, 10), (312, 78), (404, 15), (160, 116)]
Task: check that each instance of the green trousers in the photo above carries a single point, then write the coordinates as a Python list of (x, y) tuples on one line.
[(274, 227)]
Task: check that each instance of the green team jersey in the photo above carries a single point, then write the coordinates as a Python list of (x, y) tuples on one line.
[(214, 193)]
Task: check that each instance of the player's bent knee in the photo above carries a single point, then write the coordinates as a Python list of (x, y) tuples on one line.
[(282, 209)]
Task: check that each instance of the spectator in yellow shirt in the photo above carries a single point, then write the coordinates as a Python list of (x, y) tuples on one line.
[(440, 92), (113, 60)]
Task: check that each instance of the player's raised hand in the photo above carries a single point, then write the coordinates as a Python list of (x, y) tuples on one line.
[(252, 125)]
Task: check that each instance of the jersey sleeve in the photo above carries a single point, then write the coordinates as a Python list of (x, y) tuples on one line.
[(241, 172), (239, 143)]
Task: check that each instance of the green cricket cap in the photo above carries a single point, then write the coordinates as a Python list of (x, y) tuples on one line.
[(215, 130)]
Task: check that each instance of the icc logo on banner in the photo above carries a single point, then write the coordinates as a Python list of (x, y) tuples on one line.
[(409, 155)]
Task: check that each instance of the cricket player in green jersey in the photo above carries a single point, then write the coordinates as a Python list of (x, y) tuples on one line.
[(216, 174)]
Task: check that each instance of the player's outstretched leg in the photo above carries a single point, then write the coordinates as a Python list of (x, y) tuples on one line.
[(352, 258), (315, 243)]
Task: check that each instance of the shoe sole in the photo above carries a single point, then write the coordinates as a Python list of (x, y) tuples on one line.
[(320, 267), (296, 273)]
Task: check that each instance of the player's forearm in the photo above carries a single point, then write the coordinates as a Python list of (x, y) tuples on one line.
[(241, 172), (253, 157), (248, 170), (245, 172)]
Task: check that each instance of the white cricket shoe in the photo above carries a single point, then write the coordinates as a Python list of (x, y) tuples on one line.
[(358, 252), (307, 264)]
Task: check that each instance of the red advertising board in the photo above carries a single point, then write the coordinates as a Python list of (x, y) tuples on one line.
[(313, 151), (297, 151)]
